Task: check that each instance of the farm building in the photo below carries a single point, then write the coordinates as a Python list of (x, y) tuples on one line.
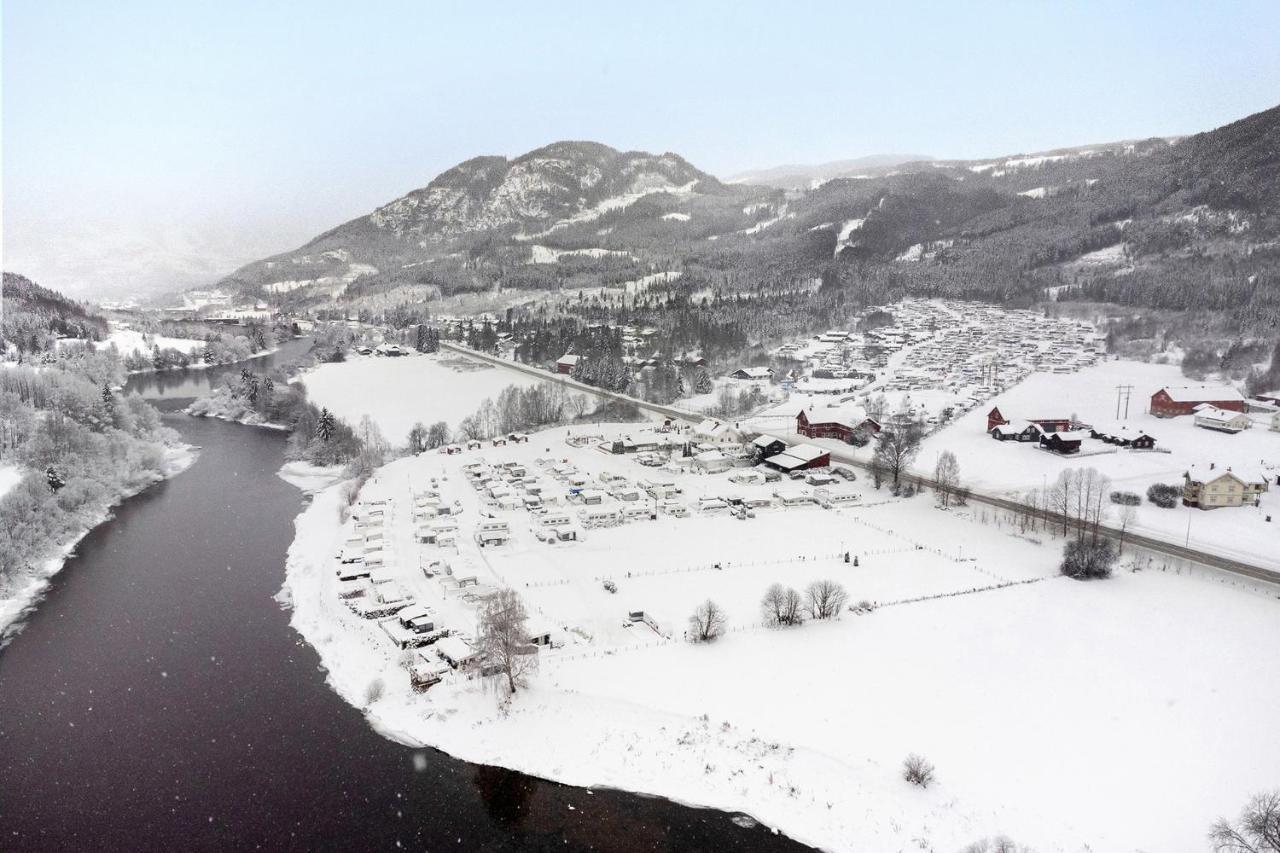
[(1210, 489), (758, 373), (566, 363), (1123, 435), (800, 457), (1016, 431), (1172, 401), (1222, 420), (996, 418), (1064, 443)]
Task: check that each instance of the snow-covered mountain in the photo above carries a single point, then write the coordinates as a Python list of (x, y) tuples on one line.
[(583, 199)]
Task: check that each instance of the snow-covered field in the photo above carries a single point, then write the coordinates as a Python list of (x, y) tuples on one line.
[(1122, 715), (399, 392), (128, 341)]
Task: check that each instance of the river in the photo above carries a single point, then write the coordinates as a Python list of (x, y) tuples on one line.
[(157, 699)]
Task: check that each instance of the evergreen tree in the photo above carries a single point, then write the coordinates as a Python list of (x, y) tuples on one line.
[(54, 479), (325, 425)]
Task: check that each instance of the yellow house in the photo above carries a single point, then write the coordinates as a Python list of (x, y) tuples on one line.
[(1226, 488)]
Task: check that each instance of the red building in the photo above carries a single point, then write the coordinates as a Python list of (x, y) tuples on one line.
[(995, 419), (566, 364), (834, 429), (1173, 401)]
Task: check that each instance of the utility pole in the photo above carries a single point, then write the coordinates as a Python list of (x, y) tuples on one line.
[(1123, 391)]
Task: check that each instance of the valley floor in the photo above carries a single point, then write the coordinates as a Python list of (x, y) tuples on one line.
[(1122, 715)]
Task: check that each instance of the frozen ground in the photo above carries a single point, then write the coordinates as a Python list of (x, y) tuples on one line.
[(1120, 716), (399, 392)]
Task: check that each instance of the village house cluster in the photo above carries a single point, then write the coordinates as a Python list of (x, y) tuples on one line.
[(970, 350)]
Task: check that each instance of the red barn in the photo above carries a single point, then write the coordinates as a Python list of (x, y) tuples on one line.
[(825, 429), (566, 364), (1172, 401)]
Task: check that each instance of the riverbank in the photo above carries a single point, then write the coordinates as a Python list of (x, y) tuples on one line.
[(17, 603), (805, 729)]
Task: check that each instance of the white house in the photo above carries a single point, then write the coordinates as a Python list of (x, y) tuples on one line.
[(1222, 420), (1210, 489)]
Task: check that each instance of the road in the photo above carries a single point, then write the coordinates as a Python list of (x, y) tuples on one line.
[(1161, 546)]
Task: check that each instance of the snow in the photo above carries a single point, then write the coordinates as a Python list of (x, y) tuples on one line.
[(765, 223), (128, 341), (545, 255), (1070, 716), (1034, 192), (1103, 257), (914, 253), (678, 217), (10, 476), (399, 392), (846, 229), (337, 282), (644, 185)]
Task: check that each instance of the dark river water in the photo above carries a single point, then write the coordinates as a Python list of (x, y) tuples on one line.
[(158, 700)]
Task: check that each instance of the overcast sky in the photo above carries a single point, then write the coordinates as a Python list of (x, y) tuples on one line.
[(154, 143)]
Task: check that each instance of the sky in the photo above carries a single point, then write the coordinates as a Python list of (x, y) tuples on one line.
[(151, 145)]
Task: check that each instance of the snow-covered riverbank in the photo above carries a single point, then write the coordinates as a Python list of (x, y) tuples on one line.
[(1140, 684), (18, 602)]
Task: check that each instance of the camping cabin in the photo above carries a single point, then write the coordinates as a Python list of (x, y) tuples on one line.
[(456, 652), (596, 516), (712, 462), (426, 670), (417, 618), (492, 532)]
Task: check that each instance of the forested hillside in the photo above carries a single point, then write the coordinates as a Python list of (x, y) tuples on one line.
[(34, 316), (77, 444), (1186, 223)]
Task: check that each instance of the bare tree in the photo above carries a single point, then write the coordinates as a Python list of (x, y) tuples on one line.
[(781, 606), (896, 447), (707, 622), (825, 599), (1128, 514), (418, 438), (917, 770), (1257, 831), (946, 478), (504, 647), (437, 435)]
